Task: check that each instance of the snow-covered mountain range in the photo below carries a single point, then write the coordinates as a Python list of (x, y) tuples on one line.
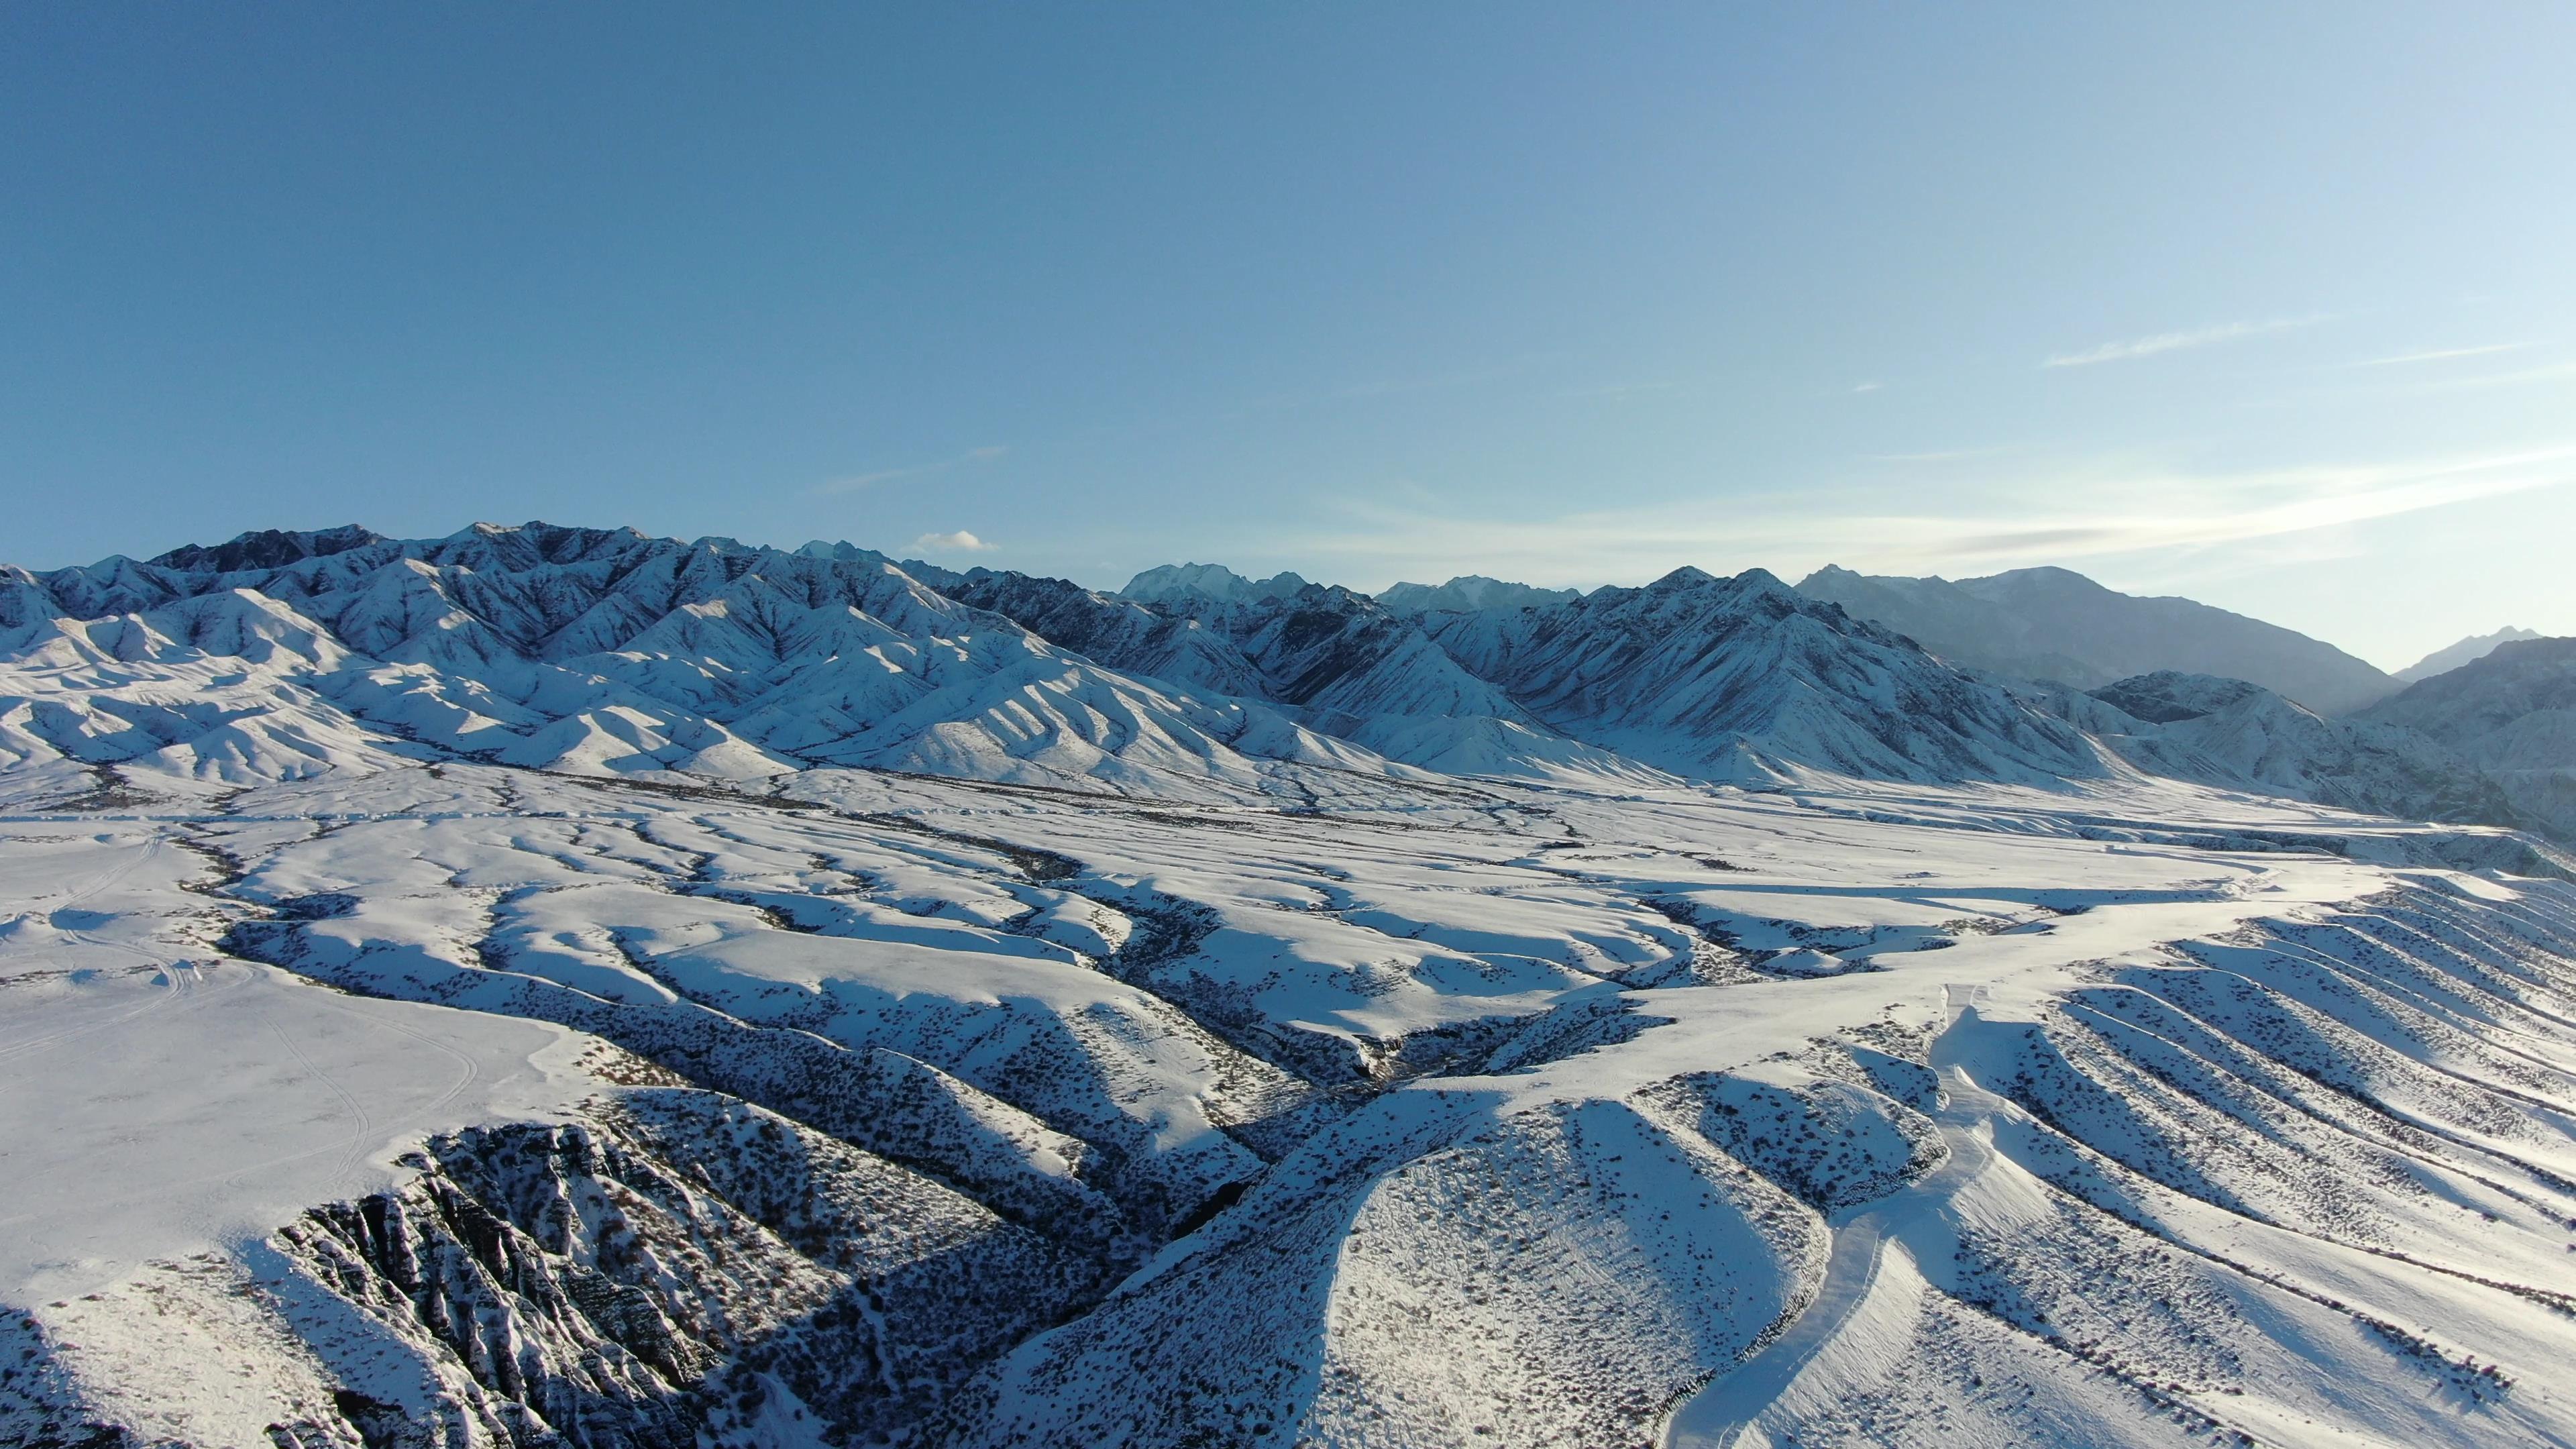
[(602, 650), (560, 987), (596, 650)]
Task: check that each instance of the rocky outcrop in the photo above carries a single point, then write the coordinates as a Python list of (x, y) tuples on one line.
[(678, 1269)]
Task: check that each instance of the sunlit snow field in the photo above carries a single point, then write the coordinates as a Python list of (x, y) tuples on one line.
[(1462, 1113)]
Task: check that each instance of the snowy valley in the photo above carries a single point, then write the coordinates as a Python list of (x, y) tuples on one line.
[(559, 986)]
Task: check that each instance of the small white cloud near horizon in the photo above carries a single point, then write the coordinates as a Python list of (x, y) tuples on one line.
[(958, 542), (2176, 341), (857, 481)]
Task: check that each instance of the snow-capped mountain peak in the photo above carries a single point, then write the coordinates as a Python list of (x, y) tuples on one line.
[(1182, 583), (267, 548)]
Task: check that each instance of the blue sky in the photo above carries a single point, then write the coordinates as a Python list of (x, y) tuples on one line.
[(2273, 308)]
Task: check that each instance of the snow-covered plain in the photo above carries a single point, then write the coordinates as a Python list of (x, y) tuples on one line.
[(569, 988), (1486, 1114)]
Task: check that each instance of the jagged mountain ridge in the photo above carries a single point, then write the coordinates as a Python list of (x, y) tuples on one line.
[(1337, 660), (1694, 676), (1736, 678), (2053, 623)]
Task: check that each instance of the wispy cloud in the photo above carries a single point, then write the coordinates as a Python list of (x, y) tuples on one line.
[(2546, 372), (2038, 514), (959, 542), (2176, 341), (1869, 387), (2444, 354), (858, 481)]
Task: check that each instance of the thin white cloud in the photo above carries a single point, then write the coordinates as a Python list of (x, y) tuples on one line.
[(2444, 354), (2176, 341), (959, 542), (858, 481), (2060, 515), (1869, 387)]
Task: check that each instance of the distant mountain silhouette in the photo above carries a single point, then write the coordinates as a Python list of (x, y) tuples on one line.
[(2443, 661), (2052, 623)]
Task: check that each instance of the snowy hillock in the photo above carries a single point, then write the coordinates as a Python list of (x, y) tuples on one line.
[(667, 1267)]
